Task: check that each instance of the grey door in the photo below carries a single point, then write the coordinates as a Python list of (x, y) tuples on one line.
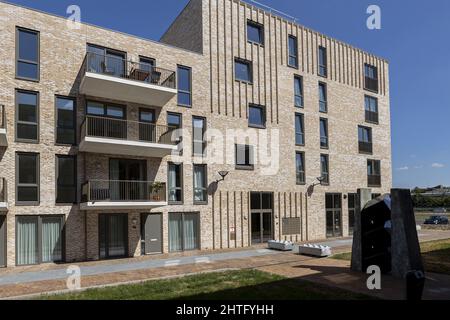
[(151, 240), (2, 241)]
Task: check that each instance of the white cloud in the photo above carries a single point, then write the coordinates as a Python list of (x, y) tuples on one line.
[(437, 165), (418, 167), (405, 168)]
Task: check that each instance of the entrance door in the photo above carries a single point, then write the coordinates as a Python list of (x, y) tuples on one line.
[(333, 205), (151, 233), (2, 241), (128, 180), (351, 212), (113, 235), (261, 217)]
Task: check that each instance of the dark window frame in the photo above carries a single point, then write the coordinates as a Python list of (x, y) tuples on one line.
[(189, 69), (260, 27), (371, 116), (199, 236), (105, 109), (327, 134), (323, 102), (323, 174), (203, 142), (300, 175), (302, 95), (18, 60), (324, 66), (251, 158), (365, 147), (75, 185), (149, 110), (74, 99), (264, 116), (250, 70), (180, 116), (205, 181), (295, 57), (302, 120), (369, 81), (17, 122), (18, 184), (181, 188), (376, 164)]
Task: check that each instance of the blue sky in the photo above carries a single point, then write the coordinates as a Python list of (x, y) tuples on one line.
[(414, 38)]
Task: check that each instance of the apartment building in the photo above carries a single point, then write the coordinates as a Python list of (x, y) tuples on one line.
[(104, 145)]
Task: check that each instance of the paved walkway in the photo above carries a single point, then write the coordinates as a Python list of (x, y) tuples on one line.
[(16, 282)]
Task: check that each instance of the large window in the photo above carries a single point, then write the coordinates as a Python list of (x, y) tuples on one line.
[(184, 231), (244, 157), (27, 178), (108, 110), (371, 108), (300, 167), (323, 72), (200, 184), (184, 75), (39, 239), (65, 120), (374, 173), (27, 54), (298, 91), (106, 61), (66, 179), (365, 139), (325, 169), (323, 99), (299, 129), (175, 185), (198, 136), (175, 121), (293, 52), (27, 116), (243, 70), (256, 116), (324, 143), (370, 78), (255, 32)]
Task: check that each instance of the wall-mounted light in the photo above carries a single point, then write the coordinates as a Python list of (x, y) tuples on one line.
[(223, 174), (134, 221)]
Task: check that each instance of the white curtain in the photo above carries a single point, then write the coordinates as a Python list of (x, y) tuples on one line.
[(27, 247), (172, 183), (199, 187), (190, 231), (175, 232), (117, 235), (51, 240)]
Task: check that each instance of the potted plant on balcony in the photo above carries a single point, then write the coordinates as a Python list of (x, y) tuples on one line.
[(155, 188)]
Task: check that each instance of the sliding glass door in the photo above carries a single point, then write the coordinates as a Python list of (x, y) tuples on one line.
[(184, 231), (51, 239), (113, 235)]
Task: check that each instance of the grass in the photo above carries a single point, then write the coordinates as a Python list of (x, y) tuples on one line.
[(435, 255), (236, 285)]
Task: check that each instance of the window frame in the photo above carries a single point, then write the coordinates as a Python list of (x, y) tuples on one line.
[(57, 185), (205, 181), (189, 69), (17, 122), (367, 143), (302, 156), (251, 153), (302, 95), (375, 164), (302, 120), (18, 184), (264, 116), (260, 27), (203, 142), (105, 106), (75, 136), (291, 36), (181, 188), (366, 78), (322, 50), (324, 120), (250, 70), (325, 102), (17, 51), (183, 244), (370, 112), (327, 175)]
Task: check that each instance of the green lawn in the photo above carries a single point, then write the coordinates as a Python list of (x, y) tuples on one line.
[(241, 285), (435, 255)]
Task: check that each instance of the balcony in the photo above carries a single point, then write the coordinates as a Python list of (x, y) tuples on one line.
[(126, 195), (3, 139), (365, 147), (3, 195), (119, 79), (124, 137), (374, 181), (372, 117)]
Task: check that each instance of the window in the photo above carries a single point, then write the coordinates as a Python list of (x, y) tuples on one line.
[(298, 91), (370, 78), (174, 122), (371, 107), (323, 72), (27, 54), (39, 239), (323, 104), (100, 109), (300, 167), (184, 86), (27, 116), (198, 133), (365, 139), (184, 231), (27, 179), (374, 173), (293, 52), (255, 32), (324, 169), (256, 116), (244, 157), (243, 70), (200, 184), (148, 65), (352, 205), (65, 122), (66, 179), (147, 128), (106, 61), (175, 179), (324, 133), (299, 129)]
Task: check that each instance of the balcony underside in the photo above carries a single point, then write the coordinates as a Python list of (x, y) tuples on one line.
[(3, 139), (3, 207), (109, 87), (126, 147), (131, 205)]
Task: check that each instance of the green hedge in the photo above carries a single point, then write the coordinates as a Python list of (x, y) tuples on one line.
[(430, 202)]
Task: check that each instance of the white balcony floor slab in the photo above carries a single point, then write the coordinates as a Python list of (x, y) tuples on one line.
[(131, 205)]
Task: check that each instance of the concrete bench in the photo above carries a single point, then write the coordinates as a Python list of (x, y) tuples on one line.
[(315, 250), (281, 245)]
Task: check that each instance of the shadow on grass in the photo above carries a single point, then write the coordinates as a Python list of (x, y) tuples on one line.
[(437, 261)]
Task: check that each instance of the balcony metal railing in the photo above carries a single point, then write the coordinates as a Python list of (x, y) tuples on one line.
[(371, 116), (2, 117), (374, 180), (101, 127), (365, 147), (371, 84), (121, 68), (123, 191), (3, 190)]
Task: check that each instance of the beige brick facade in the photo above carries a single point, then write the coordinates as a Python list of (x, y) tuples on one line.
[(207, 37)]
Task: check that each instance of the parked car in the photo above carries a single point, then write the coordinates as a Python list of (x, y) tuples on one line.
[(440, 210), (436, 220)]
